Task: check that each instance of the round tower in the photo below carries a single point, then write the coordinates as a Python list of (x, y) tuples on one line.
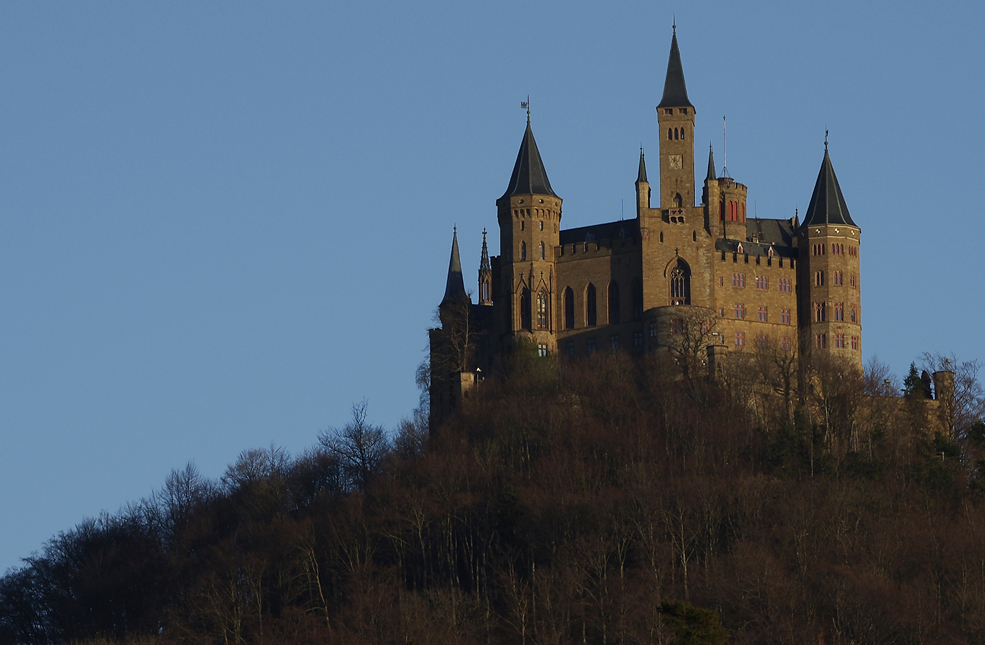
[(529, 214)]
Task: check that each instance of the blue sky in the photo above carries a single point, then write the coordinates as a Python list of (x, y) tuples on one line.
[(223, 224)]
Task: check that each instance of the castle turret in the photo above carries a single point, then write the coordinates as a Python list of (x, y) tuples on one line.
[(675, 114), (710, 197), (829, 304), (642, 188), (529, 215), (485, 275)]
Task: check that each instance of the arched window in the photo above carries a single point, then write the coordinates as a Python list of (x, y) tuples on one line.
[(542, 309), (613, 302), (676, 134), (569, 308), (525, 309), (721, 211), (590, 306), (670, 134), (523, 250), (680, 284), (540, 251), (678, 201), (637, 298), (682, 134)]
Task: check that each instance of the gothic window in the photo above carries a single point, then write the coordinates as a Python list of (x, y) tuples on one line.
[(540, 250), (542, 309), (818, 312), (569, 308), (682, 134), (637, 299), (525, 309), (523, 251), (839, 311), (613, 302), (670, 134), (676, 134), (819, 278), (680, 284), (590, 310), (678, 201)]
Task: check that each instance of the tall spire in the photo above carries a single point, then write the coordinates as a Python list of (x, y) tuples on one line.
[(827, 203), (455, 284), (675, 90), (529, 176), (711, 176), (484, 262), (641, 175)]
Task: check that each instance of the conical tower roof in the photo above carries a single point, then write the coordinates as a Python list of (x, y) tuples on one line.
[(455, 284), (827, 203), (529, 176), (675, 90), (712, 175), (641, 175), (484, 260)]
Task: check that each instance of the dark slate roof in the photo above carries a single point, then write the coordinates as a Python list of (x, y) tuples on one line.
[(529, 176), (827, 203), (675, 90), (711, 176), (777, 234), (455, 285), (607, 231), (641, 175)]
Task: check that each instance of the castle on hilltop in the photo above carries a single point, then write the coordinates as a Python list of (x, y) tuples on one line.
[(682, 271)]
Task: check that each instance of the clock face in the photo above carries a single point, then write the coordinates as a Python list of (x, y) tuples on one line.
[(676, 162)]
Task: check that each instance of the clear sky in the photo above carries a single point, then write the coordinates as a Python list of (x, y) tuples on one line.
[(222, 224)]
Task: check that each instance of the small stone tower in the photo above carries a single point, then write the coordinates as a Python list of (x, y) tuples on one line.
[(529, 215), (828, 303), (675, 115)]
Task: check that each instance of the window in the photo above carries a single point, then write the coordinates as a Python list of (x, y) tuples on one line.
[(785, 344), (853, 251), (738, 279), (590, 344), (680, 284), (840, 341), (525, 309), (740, 311), (542, 227), (542, 309), (721, 281), (821, 340), (523, 250), (762, 314), (839, 311), (677, 326), (819, 279), (485, 291), (853, 316), (653, 330), (541, 250), (590, 306), (762, 282), (784, 285), (542, 350), (613, 302), (569, 348), (837, 278), (853, 281), (785, 316), (819, 312), (637, 339), (670, 134), (855, 343), (569, 308), (721, 312), (740, 339), (614, 341)]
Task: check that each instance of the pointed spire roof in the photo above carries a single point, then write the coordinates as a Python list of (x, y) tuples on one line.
[(827, 203), (641, 176), (675, 90), (455, 285), (711, 176), (484, 262), (529, 176)]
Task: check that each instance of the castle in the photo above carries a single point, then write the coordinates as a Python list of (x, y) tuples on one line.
[(703, 276)]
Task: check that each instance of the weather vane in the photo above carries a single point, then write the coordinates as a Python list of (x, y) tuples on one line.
[(526, 106)]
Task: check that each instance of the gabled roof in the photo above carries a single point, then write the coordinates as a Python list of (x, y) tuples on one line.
[(675, 90), (455, 284), (827, 203), (529, 176)]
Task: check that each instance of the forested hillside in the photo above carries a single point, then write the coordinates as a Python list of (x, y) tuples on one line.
[(598, 502)]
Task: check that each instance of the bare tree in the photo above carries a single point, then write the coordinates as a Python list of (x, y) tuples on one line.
[(968, 403), (692, 331), (359, 447)]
